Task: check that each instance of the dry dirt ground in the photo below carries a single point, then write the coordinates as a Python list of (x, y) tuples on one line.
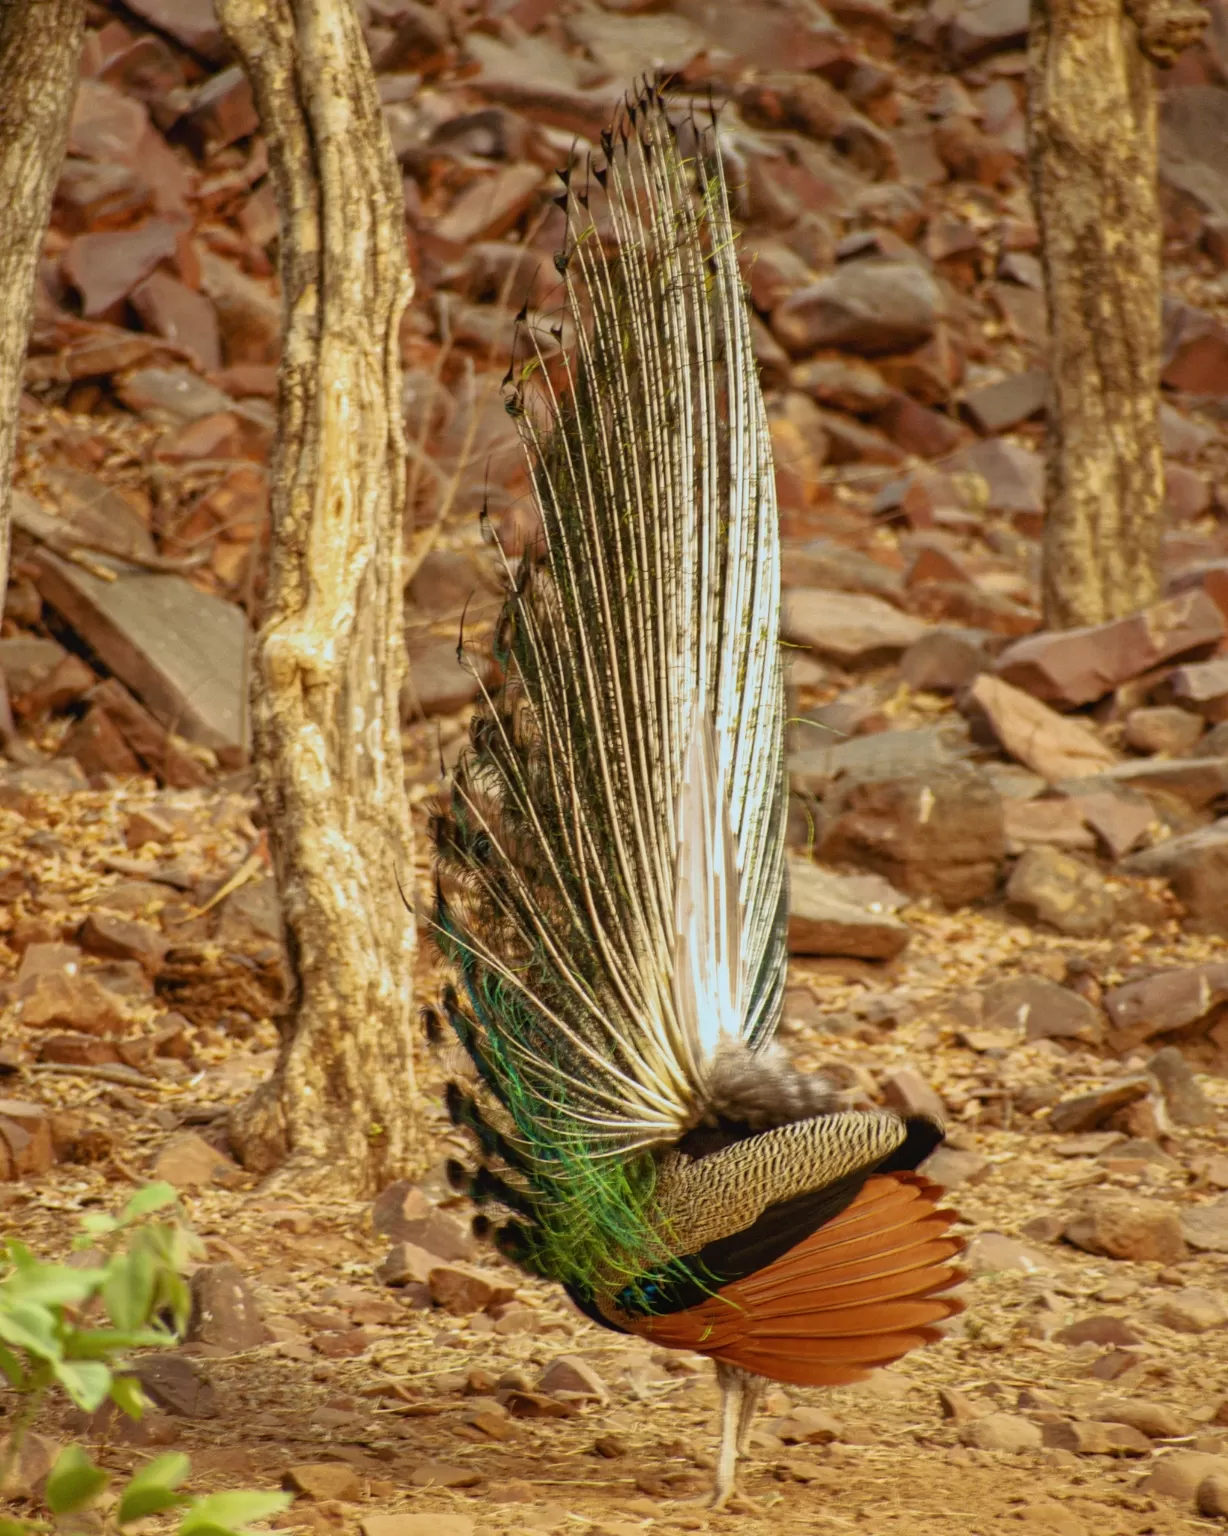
[(360, 1378)]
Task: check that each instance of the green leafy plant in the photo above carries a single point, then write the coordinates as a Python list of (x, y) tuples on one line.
[(72, 1327)]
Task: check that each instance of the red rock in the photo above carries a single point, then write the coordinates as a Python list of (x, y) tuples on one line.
[(1013, 477), (944, 661), (219, 436), (918, 430), (406, 1264), (1042, 1008), (984, 26), (249, 315), (1103, 1329), (1164, 728), (95, 197), (190, 22), (575, 1378), (808, 104), (1203, 685), (463, 1289), (69, 1001), (1001, 1432), (420, 41), (1166, 1001), (225, 1312), (850, 627), (222, 113), (805, 1424), (1125, 1227), (171, 309), (970, 155), (106, 125), (1037, 736), (320, 1480), (25, 1139), (117, 938), (98, 745), (1181, 1474), (826, 918), (848, 383), (67, 683), (1196, 353), (868, 307), (1054, 823), (149, 71), (490, 206), (908, 1093), (936, 831), (1076, 666), (188, 1161), (1085, 1437), (1121, 824), (1060, 891), (1014, 399), (1186, 493), (849, 442), (106, 268), (79, 1051), (171, 396)]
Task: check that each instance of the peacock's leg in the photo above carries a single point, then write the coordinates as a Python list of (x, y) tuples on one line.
[(739, 1397), (752, 1391)]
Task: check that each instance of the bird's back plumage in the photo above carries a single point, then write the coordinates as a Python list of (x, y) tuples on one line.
[(611, 876)]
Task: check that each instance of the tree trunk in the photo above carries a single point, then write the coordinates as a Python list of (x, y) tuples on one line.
[(1092, 156), (330, 656), (40, 44)]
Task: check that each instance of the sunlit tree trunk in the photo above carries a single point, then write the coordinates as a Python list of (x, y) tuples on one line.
[(330, 655), (1092, 157), (40, 45)]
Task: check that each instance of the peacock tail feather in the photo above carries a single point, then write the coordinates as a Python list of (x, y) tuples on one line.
[(610, 881)]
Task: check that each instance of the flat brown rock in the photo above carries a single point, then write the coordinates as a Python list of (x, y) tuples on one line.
[(1077, 666), (1125, 1227), (1037, 736), (180, 650), (826, 917)]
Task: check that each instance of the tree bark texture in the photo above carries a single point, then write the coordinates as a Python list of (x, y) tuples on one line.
[(1092, 157), (40, 45), (330, 656)]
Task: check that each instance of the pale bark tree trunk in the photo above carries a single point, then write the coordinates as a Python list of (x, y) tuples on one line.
[(1092, 156), (331, 653), (40, 45)]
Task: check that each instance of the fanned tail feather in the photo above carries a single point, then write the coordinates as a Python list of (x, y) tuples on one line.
[(601, 971), (859, 1292)]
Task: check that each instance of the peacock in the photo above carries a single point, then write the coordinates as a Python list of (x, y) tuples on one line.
[(610, 890)]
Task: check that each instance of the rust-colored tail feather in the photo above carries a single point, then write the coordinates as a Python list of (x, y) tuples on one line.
[(858, 1293)]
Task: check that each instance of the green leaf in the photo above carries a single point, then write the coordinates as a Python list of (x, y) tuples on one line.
[(128, 1290), (29, 1327), (21, 1527), (73, 1482), (222, 1514), (53, 1285), (152, 1490), (98, 1223), (127, 1396), (10, 1365), (87, 1382), (106, 1343), (153, 1197)]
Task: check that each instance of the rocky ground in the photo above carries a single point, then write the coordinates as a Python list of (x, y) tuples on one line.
[(1008, 871)]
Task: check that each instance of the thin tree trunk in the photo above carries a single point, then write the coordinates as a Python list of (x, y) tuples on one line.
[(40, 45), (1092, 156), (330, 653)]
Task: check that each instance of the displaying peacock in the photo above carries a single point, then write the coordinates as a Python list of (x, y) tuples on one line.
[(610, 885)]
